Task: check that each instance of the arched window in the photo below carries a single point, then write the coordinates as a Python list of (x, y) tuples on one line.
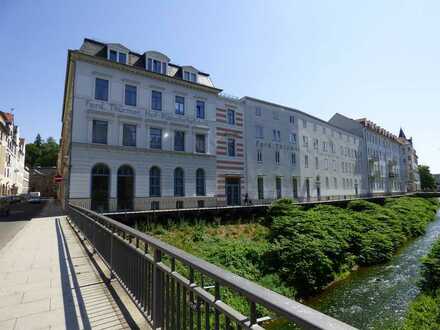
[(179, 182), (125, 187), (155, 181), (200, 182), (100, 187)]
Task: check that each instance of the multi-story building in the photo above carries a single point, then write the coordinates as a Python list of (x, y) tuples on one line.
[(13, 173), (409, 164), (381, 152), (290, 153), (140, 132)]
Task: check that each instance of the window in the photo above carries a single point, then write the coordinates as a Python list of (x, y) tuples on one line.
[(293, 159), (292, 119), (179, 141), (200, 182), (306, 141), (179, 186), (122, 58), (155, 138), (99, 134), (276, 135), (327, 183), (200, 143), (231, 117), (315, 144), (190, 76), (200, 109), (306, 161), (180, 105), (276, 115), (258, 112), (130, 95), (156, 100), (304, 123), (259, 132), (277, 157), (101, 89), (292, 138), (155, 182), (129, 135), (335, 183), (278, 187), (259, 156), (156, 66), (231, 147), (113, 55), (260, 186), (317, 163)]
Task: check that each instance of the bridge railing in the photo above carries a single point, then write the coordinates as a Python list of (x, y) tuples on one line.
[(176, 290)]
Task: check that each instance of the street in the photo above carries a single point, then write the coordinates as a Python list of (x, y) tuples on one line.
[(20, 214)]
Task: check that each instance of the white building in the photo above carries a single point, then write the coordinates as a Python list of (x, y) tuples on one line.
[(140, 132), (381, 150), (14, 176), (290, 153)]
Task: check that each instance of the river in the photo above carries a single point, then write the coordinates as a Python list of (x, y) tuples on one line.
[(377, 297)]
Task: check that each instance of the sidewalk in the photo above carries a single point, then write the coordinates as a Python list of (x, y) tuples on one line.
[(47, 281)]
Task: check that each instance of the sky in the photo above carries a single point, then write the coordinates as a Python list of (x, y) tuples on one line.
[(375, 59)]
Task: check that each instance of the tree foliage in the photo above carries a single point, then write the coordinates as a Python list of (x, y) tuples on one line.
[(42, 153), (427, 180)]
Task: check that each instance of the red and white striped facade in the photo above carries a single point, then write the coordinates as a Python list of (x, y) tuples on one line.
[(227, 166)]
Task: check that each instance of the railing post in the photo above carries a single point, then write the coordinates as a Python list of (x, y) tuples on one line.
[(157, 291), (112, 244)]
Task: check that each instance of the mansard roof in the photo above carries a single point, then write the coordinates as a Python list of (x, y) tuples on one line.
[(138, 60)]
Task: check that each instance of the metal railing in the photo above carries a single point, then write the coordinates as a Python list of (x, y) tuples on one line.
[(176, 290)]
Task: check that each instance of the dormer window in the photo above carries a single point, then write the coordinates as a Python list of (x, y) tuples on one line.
[(156, 66), (189, 76), (116, 56)]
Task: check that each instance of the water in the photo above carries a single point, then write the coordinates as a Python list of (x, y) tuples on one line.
[(377, 297)]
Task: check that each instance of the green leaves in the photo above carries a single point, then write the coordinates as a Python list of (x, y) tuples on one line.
[(311, 247), (42, 153)]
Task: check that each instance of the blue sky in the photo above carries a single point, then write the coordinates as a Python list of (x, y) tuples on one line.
[(374, 59)]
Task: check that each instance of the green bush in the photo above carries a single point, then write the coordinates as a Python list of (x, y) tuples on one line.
[(423, 313), (310, 248), (431, 269)]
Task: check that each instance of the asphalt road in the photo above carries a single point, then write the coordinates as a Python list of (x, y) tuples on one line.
[(21, 213)]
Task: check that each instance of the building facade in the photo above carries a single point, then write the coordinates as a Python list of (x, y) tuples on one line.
[(140, 132), (292, 154), (14, 175)]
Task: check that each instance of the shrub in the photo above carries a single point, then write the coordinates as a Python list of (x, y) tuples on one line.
[(431, 269)]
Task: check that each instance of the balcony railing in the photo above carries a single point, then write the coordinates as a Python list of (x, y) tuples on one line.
[(176, 290)]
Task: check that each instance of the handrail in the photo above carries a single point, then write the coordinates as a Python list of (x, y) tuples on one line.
[(282, 306)]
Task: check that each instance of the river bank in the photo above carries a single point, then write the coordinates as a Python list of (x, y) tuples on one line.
[(377, 297), (296, 251)]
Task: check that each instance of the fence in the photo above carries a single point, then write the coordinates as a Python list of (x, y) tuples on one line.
[(177, 290)]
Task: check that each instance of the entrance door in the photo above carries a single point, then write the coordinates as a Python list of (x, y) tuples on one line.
[(233, 192), (125, 188), (295, 187), (356, 189), (100, 188), (308, 189), (318, 192)]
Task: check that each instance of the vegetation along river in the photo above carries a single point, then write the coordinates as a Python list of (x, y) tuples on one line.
[(377, 297)]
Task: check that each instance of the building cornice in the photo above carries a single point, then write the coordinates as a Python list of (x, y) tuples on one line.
[(77, 55)]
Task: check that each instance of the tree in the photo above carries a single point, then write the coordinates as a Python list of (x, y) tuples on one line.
[(38, 141), (427, 180), (42, 153)]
